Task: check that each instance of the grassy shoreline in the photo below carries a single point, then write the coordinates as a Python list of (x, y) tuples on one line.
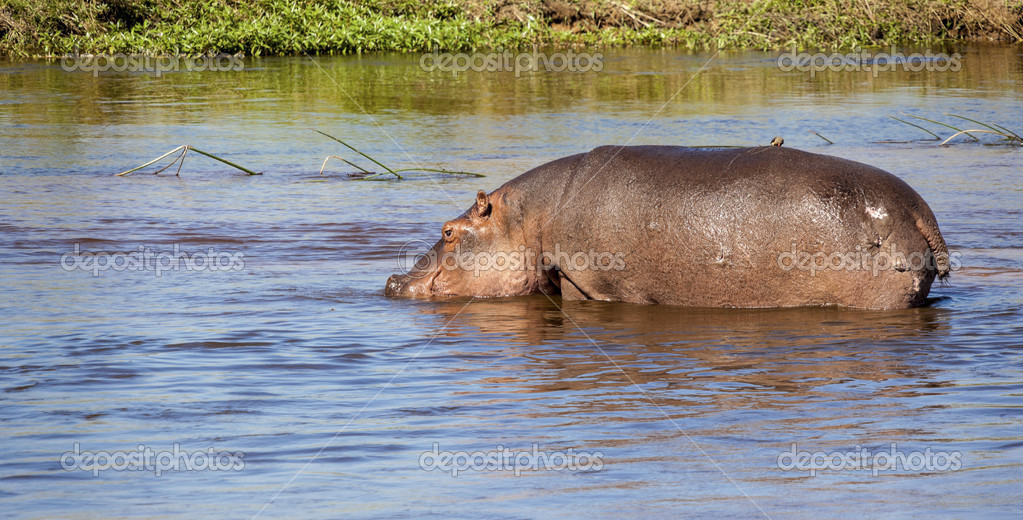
[(33, 28)]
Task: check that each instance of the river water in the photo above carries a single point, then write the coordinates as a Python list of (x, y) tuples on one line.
[(284, 384)]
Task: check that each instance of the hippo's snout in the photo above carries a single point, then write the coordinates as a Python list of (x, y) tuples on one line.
[(413, 285), (415, 277), (397, 285)]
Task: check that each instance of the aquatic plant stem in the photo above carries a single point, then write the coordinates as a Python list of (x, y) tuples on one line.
[(225, 161), (150, 162), (936, 136), (940, 123), (999, 129), (352, 148), (342, 159), (184, 150), (983, 131), (822, 137)]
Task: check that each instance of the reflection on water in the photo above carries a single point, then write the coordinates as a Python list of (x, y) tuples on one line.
[(333, 392), (775, 357)]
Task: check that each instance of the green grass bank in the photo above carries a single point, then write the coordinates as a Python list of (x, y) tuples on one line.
[(266, 27)]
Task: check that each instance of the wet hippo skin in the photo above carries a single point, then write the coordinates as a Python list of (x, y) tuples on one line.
[(754, 227)]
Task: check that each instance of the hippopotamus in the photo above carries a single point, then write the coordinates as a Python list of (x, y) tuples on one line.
[(726, 227)]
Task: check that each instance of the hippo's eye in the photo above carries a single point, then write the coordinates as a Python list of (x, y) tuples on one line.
[(448, 232)]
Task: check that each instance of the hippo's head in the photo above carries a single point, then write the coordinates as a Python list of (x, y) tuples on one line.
[(481, 253)]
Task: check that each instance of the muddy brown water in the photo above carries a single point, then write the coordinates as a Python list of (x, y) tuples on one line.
[(323, 399)]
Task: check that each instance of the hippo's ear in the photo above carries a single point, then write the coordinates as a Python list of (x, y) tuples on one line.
[(482, 208)]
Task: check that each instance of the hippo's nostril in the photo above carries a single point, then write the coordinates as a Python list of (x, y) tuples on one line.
[(396, 285)]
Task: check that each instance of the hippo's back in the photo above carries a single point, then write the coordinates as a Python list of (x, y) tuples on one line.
[(734, 227)]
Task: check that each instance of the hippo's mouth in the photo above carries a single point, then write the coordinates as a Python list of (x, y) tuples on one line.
[(410, 285), (430, 285)]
